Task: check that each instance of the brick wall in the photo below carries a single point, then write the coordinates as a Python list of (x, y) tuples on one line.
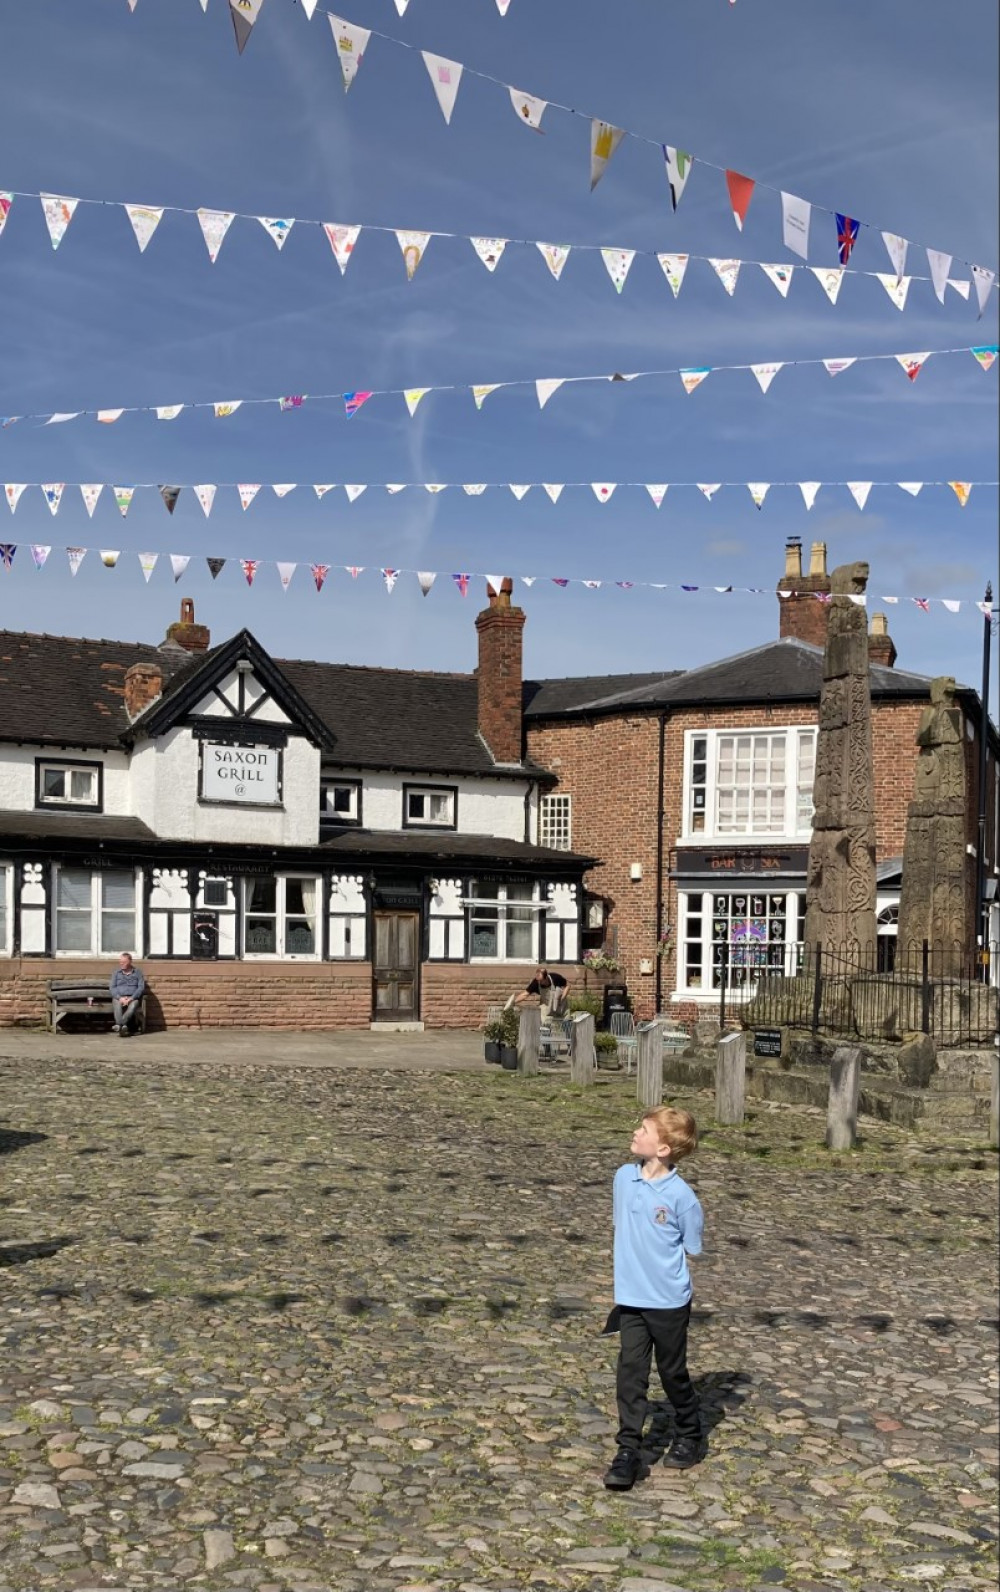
[(456, 995), (499, 679)]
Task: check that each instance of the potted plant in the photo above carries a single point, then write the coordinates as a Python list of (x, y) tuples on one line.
[(492, 1035), (606, 1050), (510, 1022)]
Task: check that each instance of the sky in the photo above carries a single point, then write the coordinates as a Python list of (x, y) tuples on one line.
[(858, 107)]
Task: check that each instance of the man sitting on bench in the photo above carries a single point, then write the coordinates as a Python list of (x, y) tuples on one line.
[(127, 989)]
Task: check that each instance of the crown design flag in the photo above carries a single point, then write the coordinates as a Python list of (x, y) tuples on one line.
[(859, 491), (847, 236), (780, 275), (214, 226), (657, 493), (248, 491), (285, 573), (52, 493), (13, 491), (474, 488), (206, 497), (984, 281), (728, 272), (168, 411), (834, 367), (147, 563), (412, 396), (76, 556), (554, 490), (249, 568), (940, 265), (39, 555), (319, 573), (962, 490), (673, 267), (278, 228), (223, 411), (123, 498), (178, 564), (479, 393), (412, 245), (555, 256), (758, 491), (618, 262), (740, 193), (90, 494), (445, 75), (830, 279), (678, 165), (110, 556), (342, 241), (795, 217), (58, 213), (765, 374), (351, 42), (690, 379), (604, 140), (145, 219), (434, 487), (896, 248), (912, 364), (489, 250), (244, 14), (546, 386), (528, 109)]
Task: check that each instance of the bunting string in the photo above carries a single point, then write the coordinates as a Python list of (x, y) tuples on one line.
[(691, 377), (53, 492), (350, 40), (215, 226), (320, 572)]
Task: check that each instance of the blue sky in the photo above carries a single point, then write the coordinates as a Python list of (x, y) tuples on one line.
[(850, 106)]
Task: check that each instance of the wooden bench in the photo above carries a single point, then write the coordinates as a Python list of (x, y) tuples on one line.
[(76, 997)]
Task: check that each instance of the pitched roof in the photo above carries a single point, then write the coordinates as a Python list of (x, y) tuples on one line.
[(448, 847), (94, 827), (69, 691), (542, 697)]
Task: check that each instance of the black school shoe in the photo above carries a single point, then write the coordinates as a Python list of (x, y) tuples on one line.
[(626, 1469), (684, 1452)]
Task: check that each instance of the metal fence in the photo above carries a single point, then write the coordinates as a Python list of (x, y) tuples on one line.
[(941, 991)]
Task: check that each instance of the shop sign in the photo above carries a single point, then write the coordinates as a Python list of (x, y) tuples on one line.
[(250, 775)]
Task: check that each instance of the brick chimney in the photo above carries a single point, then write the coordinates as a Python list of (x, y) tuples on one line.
[(143, 684), (881, 647), (499, 673), (800, 615), (185, 633)]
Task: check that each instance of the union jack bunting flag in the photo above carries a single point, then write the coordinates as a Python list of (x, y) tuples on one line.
[(847, 237)]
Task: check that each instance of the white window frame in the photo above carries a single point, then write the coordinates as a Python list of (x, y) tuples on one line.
[(797, 737), (68, 768), (328, 815), (6, 908), (538, 906), (555, 821), (97, 910), (450, 792), (280, 916), (691, 902)]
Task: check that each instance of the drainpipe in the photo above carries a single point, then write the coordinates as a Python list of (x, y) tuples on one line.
[(659, 860)]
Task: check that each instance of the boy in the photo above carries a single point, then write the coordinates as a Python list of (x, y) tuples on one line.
[(658, 1223)]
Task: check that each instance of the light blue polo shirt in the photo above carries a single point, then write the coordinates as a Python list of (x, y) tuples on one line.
[(658, 1223)]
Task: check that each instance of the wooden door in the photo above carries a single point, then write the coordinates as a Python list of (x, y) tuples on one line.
[(396, 967)]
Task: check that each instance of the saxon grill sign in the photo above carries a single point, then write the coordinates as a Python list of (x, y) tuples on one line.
[(247, 774)]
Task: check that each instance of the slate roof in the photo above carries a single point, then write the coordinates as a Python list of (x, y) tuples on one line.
[(544, 697), (449, 847), (65, 691), (94, 827)]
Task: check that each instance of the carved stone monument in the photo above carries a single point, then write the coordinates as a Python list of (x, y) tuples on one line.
[(936, 899), (840, 887)]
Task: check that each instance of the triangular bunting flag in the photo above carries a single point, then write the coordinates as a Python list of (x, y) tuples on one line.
[(168, 411), (528, 580), (913, 487), (278, 228), (413, 396), (834, 367), (604, 140), (321, 491), (7, 551), (214, 226), (765, 374), (52, 493), (809, 490), (6, 200), (223, 411), (353, 402), (342, 241), (145, 219), (401, 5), (923, 603), (859, 491), (984, 356), (110, 556), (58, 213), (215, 566), (351, 42), (281, 489), (244, 14), (795, 217), (780, 275), (433, 487), (308, 7), (546, 386), (107, 417), (388, 575), (474, 488), (912, 364), (39, 555), (984, 282), (709, 490), (426, 579), (60, 419), (248, 491), (479, 393), (285, 573), (897, 289), (963, 289), (829, 279), (249, 568), (178, 564), (123, 498), (519, 490), (690, 379), (445, 76), (392, 487), (90, 495), (740, 193), (76, 556), (528, 109), (354, 492), (555, 256), (502, 7), (206, 497), (951, 604), (678, 171), (758, 491), (494, 584), (560, 580), (657, 493), (462, 582), (847, 237), (603, 490), (554, 490), (728, 272), (962, 490), (896, 248), (412, 246), (673, 267), (319, 573), (170, 494), (592, 585), (489, 250), (940, 265), (618, 262), (13, 491)]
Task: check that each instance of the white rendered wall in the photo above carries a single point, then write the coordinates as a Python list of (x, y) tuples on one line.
[(165, 796), (485, 806), (17, 776)]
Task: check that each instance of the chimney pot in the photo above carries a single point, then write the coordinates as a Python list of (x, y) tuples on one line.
[(185, 633), (143, 684), (881, 647), (793, 557), (817, 559), (800, 616)]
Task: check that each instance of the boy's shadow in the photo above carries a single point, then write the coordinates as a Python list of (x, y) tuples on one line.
[(720, 1393)]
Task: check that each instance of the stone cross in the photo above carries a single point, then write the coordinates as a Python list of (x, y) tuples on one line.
[(938, 877), (840, 887)]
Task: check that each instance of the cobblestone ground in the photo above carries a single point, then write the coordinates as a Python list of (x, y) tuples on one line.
[(340, 1331)]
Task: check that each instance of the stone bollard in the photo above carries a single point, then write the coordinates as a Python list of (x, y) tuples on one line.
[(582, 1055), (529, 1039), (995, 1102), (842, 1111), (731, 1078), (649, 1067)]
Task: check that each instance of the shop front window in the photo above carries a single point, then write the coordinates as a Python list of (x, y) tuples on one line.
[(504, 918), (279, 915)]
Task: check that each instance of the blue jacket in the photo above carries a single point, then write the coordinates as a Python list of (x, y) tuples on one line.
[(127, 986)]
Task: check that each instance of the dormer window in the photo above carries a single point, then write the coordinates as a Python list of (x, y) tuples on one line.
[(429, 806), (340, 801), (65, 783)]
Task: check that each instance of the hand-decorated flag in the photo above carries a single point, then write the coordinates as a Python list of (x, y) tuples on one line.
[(52, 492), (983, 280), (145, 219), (545, 387), (281, 489), (690, 379), (353, 402), (829, 279), (912, 364), (413, 395), (554, 490), (859, 491), (834, 367), (474, 488), (76, 556), (673, 267), (107, 417), (896, 248), (758, 491), (489, 250), (765, 374), (293, 400), (618, 262), (434, 487), (147, 563), (342, 241), (249, 567), (412, 246), (168, 411), (940, 265), (482, 392), (13, 491), (277, 228), (780, 275), (604, 140), (39, 555), (519, 489), (657, 493), (709, 489), (603, 490), (58, 212), (392, 487), (223, 411), (913, 487), (740, 193), (847, 237), (354, 491), (678, 171), (351, 42), (445, 75), (244, 14), (109, 556), (90, 494), (321, 491), (248, 491), (285, 573), (6, 200), (528, 109), (896, 287), (319, 573), (206, 497), (962, 490), (214, 226), (123, 498), (985, 355), (728, 272), (178, 564), (555, 256)]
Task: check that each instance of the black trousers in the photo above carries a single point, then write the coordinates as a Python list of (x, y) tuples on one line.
[(643, 1334)]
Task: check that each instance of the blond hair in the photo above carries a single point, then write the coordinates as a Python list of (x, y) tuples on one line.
[(676, 1128)]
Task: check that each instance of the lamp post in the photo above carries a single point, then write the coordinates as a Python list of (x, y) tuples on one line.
[(981, 904)]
